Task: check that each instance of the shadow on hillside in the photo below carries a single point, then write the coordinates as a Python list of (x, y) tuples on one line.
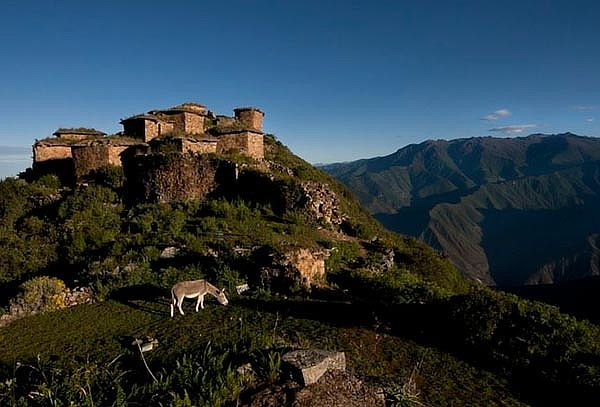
[(334, 313), (413, 220), (137, 295), (406, 320), (578, 297)]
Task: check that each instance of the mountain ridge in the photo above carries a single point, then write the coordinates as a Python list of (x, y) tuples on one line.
[(438, 190)]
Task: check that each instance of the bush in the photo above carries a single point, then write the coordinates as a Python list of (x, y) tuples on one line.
[(111, 177), (39, 294), (90, 219), (530, 338), (390, 289)]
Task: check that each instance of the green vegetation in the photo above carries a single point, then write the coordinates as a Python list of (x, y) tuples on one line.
[(39, 294), (555, 354), (401, 312), (207, 347)]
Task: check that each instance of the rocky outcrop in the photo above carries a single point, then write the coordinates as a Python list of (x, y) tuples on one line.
[(302, 266), (69, 298), (322, 203), (308, 365)]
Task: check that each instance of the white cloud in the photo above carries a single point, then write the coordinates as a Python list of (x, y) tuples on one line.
[(590, 119), (514, 129), (497, 115), (585, 107), (10, 154)]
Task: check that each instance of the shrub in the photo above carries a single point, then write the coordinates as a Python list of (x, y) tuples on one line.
[(267, 364), (341, 254), (531, 338), (390, 289), (90, 219), (38, 295), (49, 181), (111, 177)]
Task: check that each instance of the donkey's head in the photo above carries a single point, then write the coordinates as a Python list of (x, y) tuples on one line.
[(221, 297)]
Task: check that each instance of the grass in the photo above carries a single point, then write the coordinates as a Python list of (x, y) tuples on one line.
[(104, 330)]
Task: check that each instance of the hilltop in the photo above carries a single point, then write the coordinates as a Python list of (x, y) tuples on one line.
[(321, 272), (506, 211)]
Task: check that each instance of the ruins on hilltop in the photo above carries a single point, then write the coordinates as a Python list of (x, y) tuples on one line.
[(189, 128)]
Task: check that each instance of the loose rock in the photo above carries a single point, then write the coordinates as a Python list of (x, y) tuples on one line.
[(307, 366)]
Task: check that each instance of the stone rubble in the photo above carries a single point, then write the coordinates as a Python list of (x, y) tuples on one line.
[(322, 203)]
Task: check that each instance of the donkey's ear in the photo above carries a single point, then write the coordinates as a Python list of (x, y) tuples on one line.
[(223, 290)]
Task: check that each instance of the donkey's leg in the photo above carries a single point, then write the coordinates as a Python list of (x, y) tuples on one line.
[(179, 302), (202, 301), (198, 302)]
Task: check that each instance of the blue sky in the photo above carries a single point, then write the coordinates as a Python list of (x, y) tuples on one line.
[(339, 80)]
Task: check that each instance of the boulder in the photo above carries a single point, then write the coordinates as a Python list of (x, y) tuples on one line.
[(169, 252), (301, 266), (308, 365)]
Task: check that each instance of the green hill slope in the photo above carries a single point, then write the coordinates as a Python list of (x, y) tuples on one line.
[(401, 311)]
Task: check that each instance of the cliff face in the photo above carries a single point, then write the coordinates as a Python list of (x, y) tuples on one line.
[(506, 211)]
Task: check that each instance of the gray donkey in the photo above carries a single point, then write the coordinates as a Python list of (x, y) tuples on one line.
[(193, 289)]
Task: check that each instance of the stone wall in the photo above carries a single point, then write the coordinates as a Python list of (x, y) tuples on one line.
[(165, 127), (170, 177), (44, 152), (88, 159), (193, 123), (226, 121), (115, 154), (256, 145), (150, 130), (198, 146), (53, 159), (245, 142), (177, 120), (91, 158)]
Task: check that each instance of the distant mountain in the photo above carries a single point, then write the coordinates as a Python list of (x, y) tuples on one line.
[(507, 211)]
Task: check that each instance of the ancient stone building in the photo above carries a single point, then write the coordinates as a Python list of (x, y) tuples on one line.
[(145, 127), (188, 128), (93, 155), (241, 133), (46, 151), (187, 118), (250, 117)]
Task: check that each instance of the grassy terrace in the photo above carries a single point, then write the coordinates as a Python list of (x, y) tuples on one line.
[(104, 330)]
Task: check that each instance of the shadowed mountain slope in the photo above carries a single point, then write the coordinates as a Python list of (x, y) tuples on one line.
[(506, 211)]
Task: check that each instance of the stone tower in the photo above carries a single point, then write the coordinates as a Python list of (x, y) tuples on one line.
[(250, 117)]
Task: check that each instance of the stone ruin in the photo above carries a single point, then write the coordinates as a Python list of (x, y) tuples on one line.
[(75, 154)]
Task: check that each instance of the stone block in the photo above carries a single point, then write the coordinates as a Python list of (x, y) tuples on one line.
[(308, 365)]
